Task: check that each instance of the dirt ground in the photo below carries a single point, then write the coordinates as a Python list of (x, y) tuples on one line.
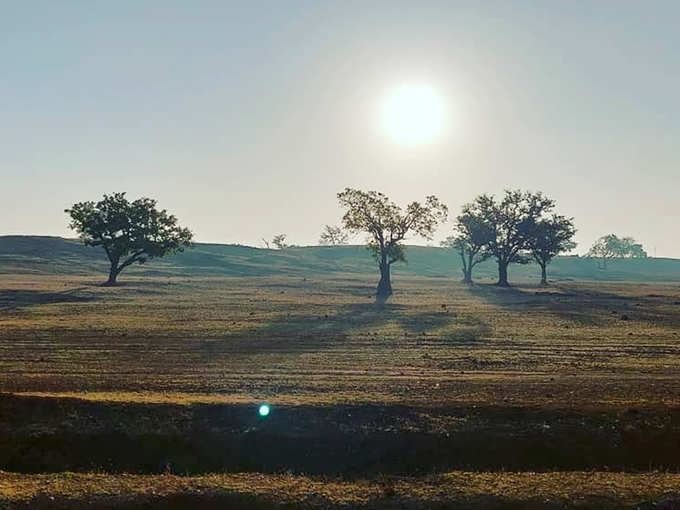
[(565, 396)]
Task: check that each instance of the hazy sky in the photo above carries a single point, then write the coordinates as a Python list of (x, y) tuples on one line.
[(246, 118)]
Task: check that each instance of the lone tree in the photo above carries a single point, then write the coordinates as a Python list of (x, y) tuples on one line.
[(611, 246), (551, 237), (279, 241), (387, 226), (471, 239), (511, 222), (129, 232), (333, 236)]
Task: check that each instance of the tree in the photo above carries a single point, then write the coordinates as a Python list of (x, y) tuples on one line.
[(637, 251), (333, 236), (472, 236), (129, 232), (279, 241), (611, 246), (387, 226), (605, 248), (511, 222), (551, 237), (630, 248)]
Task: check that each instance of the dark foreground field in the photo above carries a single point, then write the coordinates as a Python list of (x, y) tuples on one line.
[(145, 395)]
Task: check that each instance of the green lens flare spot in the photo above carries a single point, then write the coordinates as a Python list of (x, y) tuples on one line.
[(263, 410)]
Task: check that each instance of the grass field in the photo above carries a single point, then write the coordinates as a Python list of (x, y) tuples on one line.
[(448, 396)]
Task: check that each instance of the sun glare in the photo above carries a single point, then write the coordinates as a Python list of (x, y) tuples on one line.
[(413, 114)]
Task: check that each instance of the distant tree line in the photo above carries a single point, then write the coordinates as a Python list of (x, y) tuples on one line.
[(611, 246), (517, 228)]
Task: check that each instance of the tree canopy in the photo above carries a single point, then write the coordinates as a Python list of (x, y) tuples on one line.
[(611, 246), (511, 223), (472, 235), (551, 236), (387, 225), (279, 241), (333, 236), (129, 232)]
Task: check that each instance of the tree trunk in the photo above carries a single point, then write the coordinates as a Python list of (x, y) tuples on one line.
[(544, 275), (467, 275), (503, 274), (468, 270), (113, 274), (384, 290), (467, 278)]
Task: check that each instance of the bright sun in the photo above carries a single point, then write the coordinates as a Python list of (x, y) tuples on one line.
[(413, 114)]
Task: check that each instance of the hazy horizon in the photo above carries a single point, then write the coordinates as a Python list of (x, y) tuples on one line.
[(245, 121)]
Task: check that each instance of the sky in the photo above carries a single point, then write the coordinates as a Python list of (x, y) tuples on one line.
[(245, 119)]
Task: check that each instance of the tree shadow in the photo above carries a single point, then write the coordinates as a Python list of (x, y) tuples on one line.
[(11, 299), (582, 306), (468, 330), (330, 326), (422, 323), (333, 321)]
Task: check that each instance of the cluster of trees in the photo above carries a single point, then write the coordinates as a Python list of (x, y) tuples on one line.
[(518, 228), (611, 246), (515, 229)]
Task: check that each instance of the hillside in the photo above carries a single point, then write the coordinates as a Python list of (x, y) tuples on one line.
[(54, 255)]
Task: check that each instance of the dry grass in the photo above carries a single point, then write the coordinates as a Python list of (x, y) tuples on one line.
[(597, 351), (455, 490), (324, 341)]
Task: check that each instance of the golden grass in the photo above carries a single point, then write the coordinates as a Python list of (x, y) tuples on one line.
[(559, 490), (314, 340), (323, 341)]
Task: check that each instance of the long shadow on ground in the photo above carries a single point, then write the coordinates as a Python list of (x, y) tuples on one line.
[(330, 325), (10, 299), (584, 306)]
